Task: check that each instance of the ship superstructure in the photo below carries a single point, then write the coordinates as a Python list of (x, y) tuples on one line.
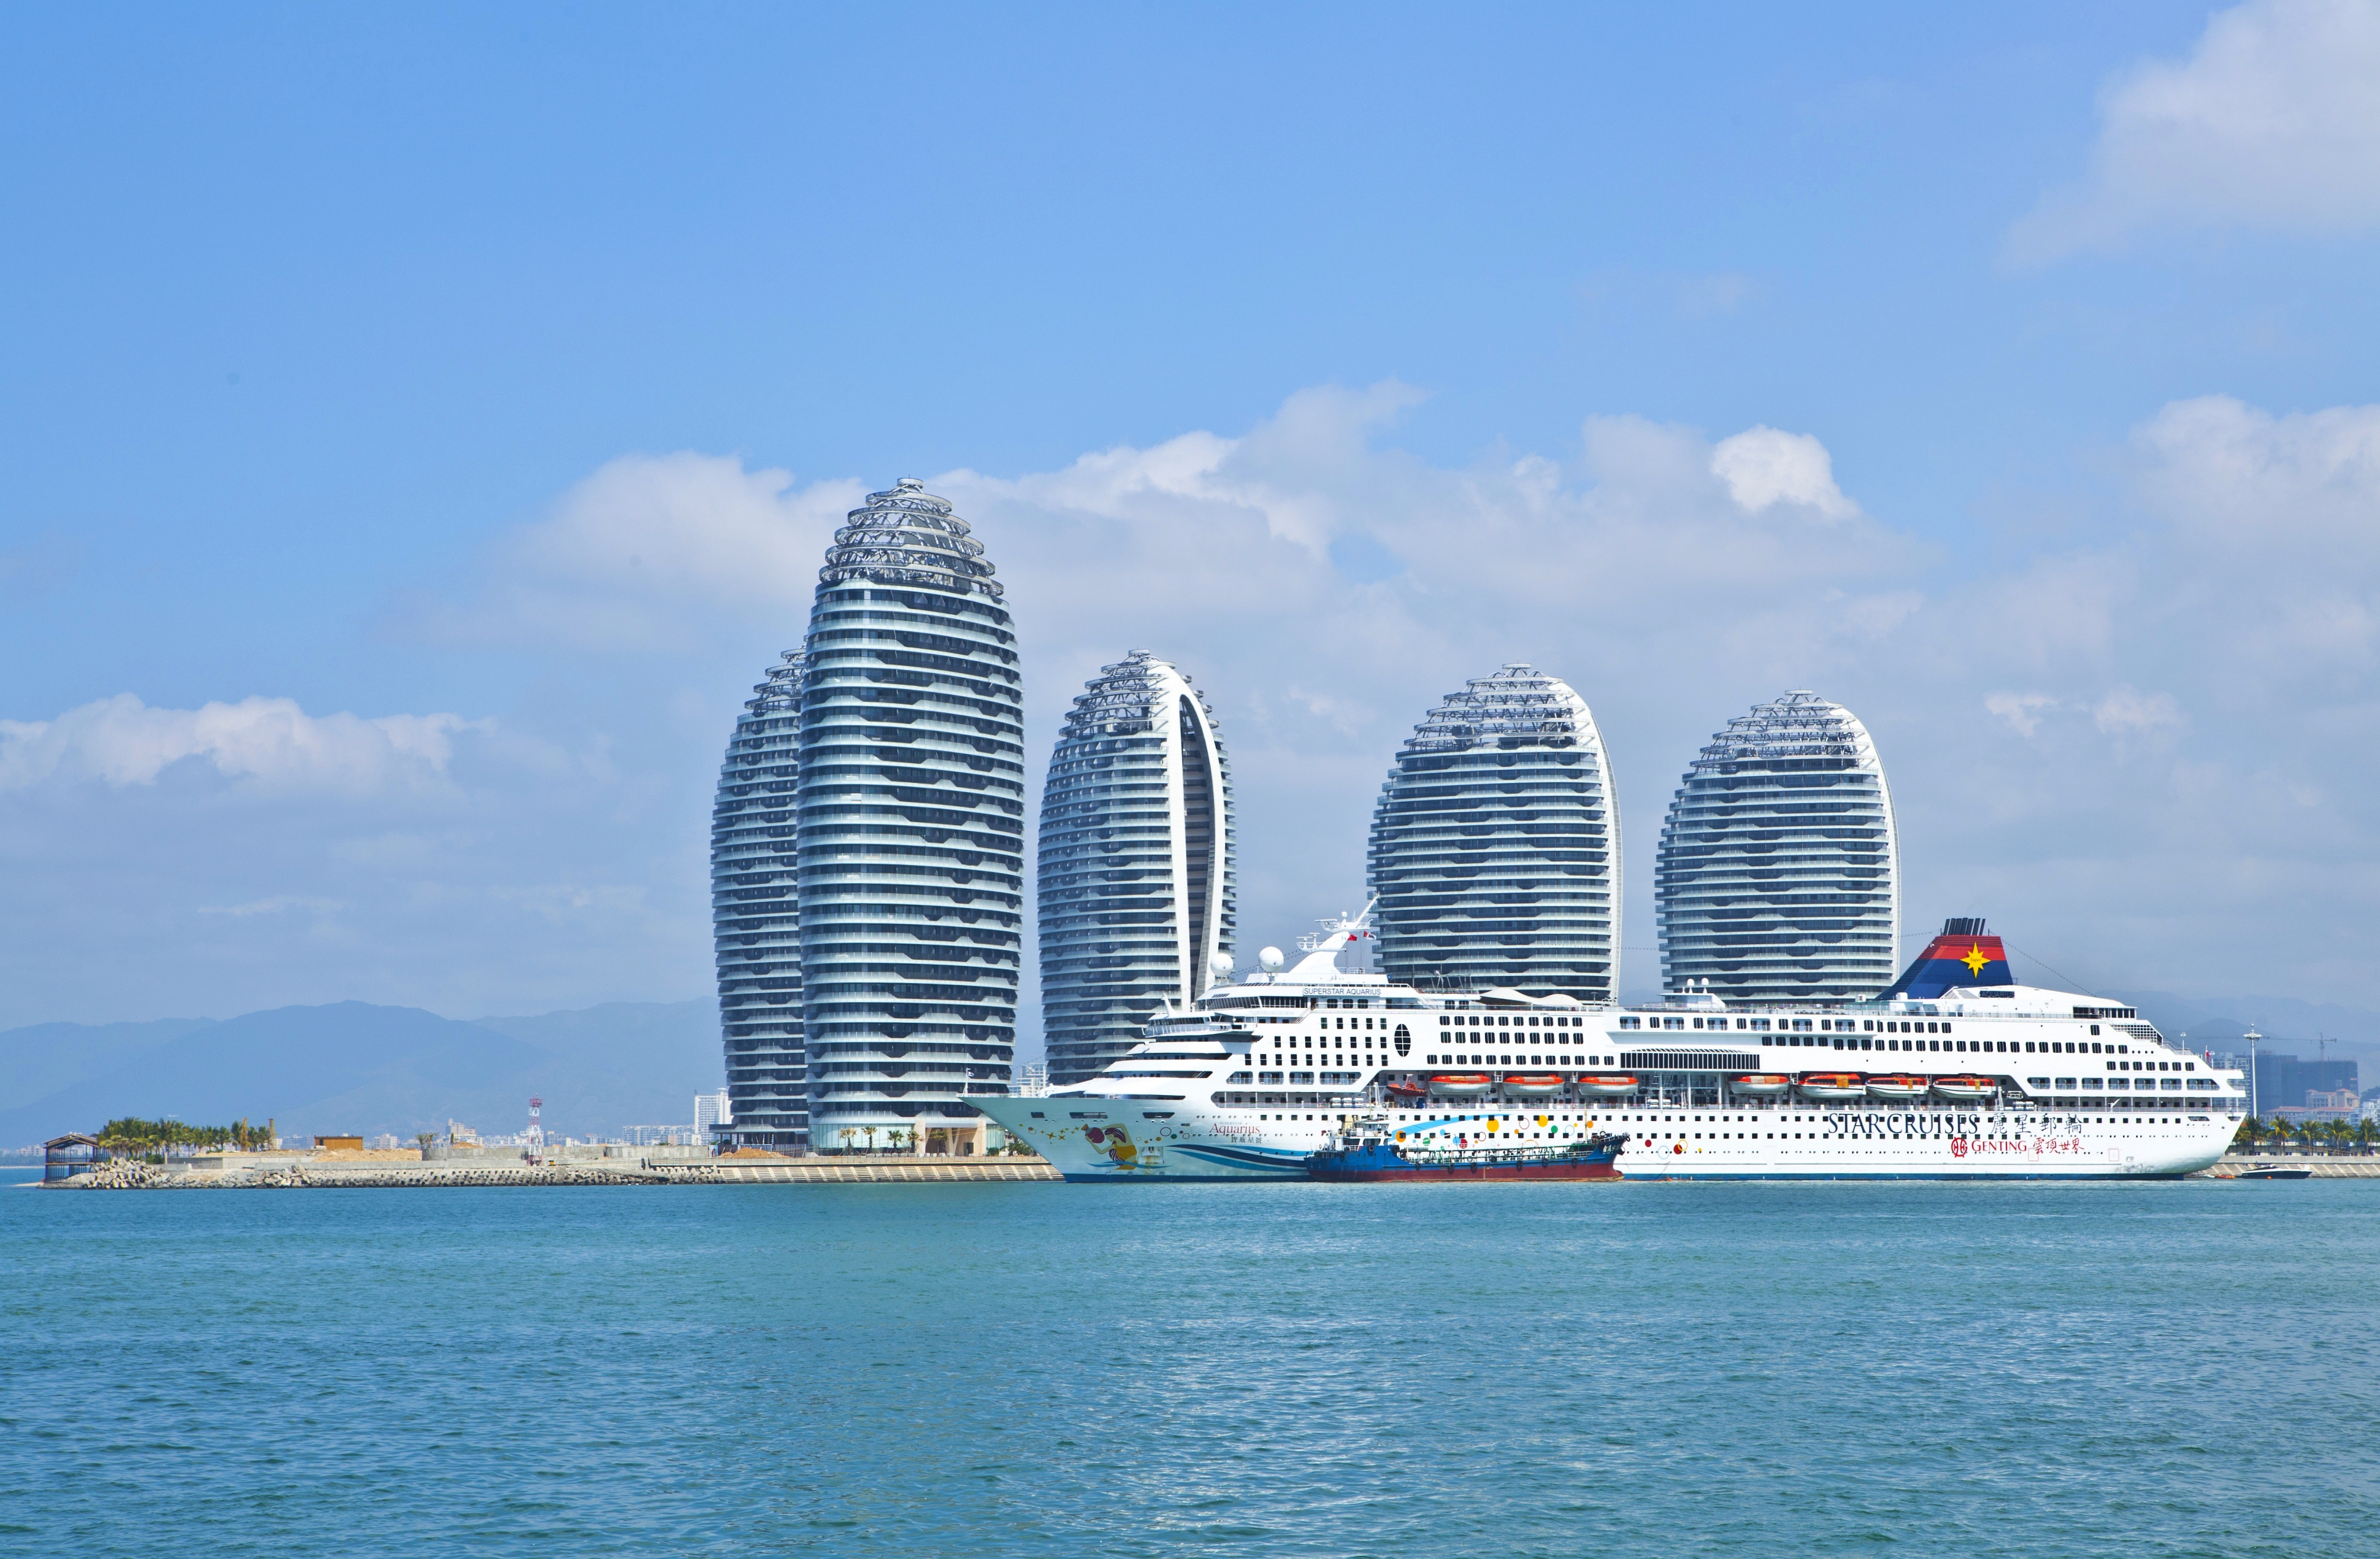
[(1957, 1072)]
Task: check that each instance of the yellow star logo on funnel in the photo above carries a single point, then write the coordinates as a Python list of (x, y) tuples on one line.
[(1975, 960)]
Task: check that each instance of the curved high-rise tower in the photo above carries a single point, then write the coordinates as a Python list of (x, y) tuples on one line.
[(911, 822), (1496, 844), (1779, 876), (755, 931), (1136, 884)]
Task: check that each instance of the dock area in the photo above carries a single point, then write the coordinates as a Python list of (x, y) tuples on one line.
[(2324, 1166)]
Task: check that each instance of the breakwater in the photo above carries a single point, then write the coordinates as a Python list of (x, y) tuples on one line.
[(306, 1173)]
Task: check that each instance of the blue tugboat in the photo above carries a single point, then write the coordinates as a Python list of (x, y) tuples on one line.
[(1373, 1148)]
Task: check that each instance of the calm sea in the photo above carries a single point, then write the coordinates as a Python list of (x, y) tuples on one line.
[(1774, 1370)]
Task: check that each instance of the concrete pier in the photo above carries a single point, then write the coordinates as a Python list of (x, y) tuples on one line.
[(304, 1171)]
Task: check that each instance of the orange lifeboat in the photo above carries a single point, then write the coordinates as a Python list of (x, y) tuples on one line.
[(1833, 1087), (1532, 1085), (1897, 1089), (1460, 1084), (1965, 1091), (1760, 1084), (1605, 1085)]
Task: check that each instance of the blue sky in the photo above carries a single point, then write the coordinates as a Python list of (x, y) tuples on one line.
[(492, 382)]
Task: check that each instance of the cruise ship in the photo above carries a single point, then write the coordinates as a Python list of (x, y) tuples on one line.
[(1956, 1072)]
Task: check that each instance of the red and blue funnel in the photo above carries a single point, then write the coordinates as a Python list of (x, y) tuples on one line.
[(1962, 955)]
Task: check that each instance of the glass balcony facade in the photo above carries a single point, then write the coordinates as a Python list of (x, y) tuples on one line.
[(1495, 847), (755, 921), (1780, 871), (910, 828), (1134, 869)]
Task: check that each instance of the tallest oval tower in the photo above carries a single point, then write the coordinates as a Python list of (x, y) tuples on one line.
[(911, 817)]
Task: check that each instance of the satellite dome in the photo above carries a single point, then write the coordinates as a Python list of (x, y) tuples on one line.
[(1271, 958)]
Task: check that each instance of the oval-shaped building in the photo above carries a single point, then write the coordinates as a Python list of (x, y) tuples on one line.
[(1495, 847), (754, 924), (911, 822), (1136, 889), (1780, 871)]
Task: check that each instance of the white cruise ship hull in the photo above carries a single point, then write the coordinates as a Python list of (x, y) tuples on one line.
[(2009, 1082), (1854, 1142)]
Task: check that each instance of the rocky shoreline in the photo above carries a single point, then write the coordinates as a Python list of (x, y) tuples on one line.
[(130, 1175)]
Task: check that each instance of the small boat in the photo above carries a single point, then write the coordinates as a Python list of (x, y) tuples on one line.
[(1965, 1091), (1760, 1084), (1833, 1087), (1606, 1085), (1408, 1091), (2273, 1172), (1460, 1084), (1897, 1089), (1372, 1149), (1532, 1085)]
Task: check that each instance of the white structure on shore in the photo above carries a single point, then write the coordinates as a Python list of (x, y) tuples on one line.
[(910, 828), (1135, 872), (1780, 871), (1494, 850)]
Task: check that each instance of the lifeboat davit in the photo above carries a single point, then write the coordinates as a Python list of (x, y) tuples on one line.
[(1965, 1091), (1834, 1086), (1605, 1085), (1897, 1089), (1760, 1084), (1532, 1085), (1460, 1084)]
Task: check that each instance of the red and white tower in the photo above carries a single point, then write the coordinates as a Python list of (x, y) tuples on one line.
[(536, 1127)]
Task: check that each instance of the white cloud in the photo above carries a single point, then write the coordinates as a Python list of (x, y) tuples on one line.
[(2273, 122), (2022, 710), (1763, 467), (2126, 710), (121, 741), (647, 548)]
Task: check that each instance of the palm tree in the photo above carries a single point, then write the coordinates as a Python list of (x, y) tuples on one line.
[(2251, 1131), (871, 1137), (2365, 1131)]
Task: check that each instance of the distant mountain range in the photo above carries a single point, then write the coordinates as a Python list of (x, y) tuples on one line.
[(355, 1068)]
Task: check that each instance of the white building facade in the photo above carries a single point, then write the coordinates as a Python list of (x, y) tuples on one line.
[(1780, 870), (1136, 891), (910, 829), (1495, 845), (755, 920)]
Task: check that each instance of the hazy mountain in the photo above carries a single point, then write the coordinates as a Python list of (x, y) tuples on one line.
[(357, 1068), (39, 1060)]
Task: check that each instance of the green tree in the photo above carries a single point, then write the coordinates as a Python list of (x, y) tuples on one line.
[(2365, 1132)]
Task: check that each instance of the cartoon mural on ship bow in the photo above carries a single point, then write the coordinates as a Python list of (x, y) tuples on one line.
[(1117, 1143)]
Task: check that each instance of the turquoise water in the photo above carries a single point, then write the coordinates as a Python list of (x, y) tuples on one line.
[(1772, 1369)]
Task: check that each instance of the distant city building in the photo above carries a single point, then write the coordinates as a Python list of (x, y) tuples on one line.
[(911, 823), (756, 921), (1779, 877), (2285, 1081), (1495, 848), (1135, 881), (711, 1111)]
